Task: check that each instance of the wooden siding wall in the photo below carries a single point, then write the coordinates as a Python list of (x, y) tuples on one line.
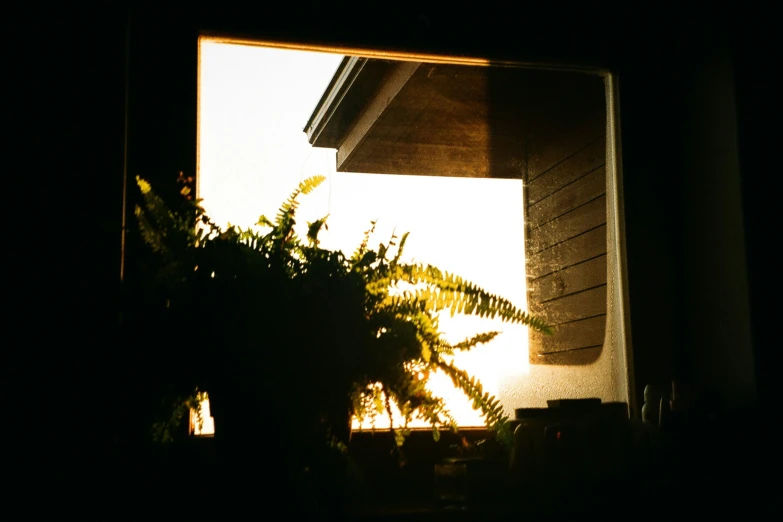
[(546, 128), (566, 218)]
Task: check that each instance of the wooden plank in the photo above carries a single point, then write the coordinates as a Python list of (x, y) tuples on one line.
[(423, 159), (589, 158), (420, 110), (397, 79), (566, 113), (550, 144), (566, 254), (574, 279), (351, 87), (507, 153), (574, 307), (581, 357), (569, 225), (578, 193), (571, 336)]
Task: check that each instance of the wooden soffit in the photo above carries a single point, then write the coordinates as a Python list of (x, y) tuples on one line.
[(393, 117)]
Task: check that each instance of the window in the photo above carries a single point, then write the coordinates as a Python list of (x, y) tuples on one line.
[(501, 174)]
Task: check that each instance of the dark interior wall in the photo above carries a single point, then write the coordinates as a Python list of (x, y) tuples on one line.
[(63, 212), (653, 208), (757, 89), (162, 109), (69, 120), (684, 217), (721, 360)]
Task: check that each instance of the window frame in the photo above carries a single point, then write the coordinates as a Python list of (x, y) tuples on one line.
[(191, 32)]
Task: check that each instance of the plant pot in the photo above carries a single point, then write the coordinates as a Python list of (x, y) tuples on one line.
[(461, 482)]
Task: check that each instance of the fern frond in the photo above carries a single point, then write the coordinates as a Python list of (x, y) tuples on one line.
[(400, 248), (284, 222), (472, 388), (164, 230), (362, 249), (314, 228), (148, 232), (263, 221), (464, 297), (405, 305), (472, 342)]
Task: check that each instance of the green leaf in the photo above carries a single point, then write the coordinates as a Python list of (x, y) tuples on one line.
[(263, 221), (426, 353)]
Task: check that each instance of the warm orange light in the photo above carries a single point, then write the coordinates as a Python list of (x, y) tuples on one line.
[(352, 51), (202, 423)]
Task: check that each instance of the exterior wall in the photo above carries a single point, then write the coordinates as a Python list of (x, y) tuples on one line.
[(573, 232), (565, 218)]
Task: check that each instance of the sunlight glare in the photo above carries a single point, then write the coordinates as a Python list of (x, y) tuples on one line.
[(207, 424)]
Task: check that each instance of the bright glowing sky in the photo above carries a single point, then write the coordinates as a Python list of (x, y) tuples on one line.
[(253, 105)]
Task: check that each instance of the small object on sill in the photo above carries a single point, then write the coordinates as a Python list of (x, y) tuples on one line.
[(461, 482), (651, 409), (576, 405), (526, 461), (532, 413), (565, 449), (663, 414)]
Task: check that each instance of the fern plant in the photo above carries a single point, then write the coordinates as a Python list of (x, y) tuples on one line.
[(358, 334)]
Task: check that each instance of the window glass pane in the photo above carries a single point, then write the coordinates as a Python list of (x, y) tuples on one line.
[(544, 147)]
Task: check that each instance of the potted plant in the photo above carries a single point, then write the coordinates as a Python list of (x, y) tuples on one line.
[(293, 340)]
